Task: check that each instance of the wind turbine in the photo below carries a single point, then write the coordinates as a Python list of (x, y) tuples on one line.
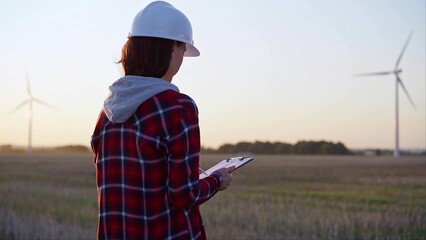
[(398, 82), (30, 100)]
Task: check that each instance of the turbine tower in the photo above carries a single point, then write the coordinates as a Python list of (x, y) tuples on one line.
[(398, 82), (30, 100)]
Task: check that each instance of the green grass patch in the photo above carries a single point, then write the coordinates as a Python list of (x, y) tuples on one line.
[(62, 206)]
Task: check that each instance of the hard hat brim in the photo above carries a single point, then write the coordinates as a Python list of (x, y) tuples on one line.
[(191, 51)]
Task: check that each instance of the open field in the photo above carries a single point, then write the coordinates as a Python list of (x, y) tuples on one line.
[(50, 196)]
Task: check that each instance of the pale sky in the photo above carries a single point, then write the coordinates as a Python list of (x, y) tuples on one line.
[(268, 70)]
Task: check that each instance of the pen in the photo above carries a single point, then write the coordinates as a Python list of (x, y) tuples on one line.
[(202, 171)]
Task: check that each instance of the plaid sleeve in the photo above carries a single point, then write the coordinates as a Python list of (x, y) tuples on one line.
[(184, 186)]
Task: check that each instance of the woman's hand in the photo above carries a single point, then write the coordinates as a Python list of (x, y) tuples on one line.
[(226, 177)]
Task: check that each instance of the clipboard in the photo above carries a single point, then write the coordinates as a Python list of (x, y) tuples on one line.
[(234, 161)]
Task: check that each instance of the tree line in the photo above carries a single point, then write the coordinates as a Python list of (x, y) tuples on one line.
[(301, 147), (258, 147)]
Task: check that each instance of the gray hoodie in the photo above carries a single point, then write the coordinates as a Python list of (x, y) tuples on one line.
[(127, 93)]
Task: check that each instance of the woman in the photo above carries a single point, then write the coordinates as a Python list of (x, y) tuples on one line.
[(147, 142)]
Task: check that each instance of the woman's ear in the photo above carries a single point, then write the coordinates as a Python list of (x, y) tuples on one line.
[(175, 45)]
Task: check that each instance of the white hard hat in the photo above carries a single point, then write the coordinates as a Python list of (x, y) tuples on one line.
[(162, 20)]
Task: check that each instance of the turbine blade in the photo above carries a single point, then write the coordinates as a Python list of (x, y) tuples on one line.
[(373, 74), (403, 50), (406, 92), (19, 106), (28, 84), (44, 103)]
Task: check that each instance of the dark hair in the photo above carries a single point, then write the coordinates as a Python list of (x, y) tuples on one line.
[(147, 56)]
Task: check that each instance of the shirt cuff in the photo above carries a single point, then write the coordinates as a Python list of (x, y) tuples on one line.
[(218, 178)]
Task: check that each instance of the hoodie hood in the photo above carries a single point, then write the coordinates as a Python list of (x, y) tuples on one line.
[(127, 93)]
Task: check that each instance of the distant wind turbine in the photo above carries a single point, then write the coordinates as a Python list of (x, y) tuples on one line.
[(398, 82), (30, 100)]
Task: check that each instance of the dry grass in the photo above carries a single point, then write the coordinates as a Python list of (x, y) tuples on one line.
[(275, 197), (47, 197), (312, 197)]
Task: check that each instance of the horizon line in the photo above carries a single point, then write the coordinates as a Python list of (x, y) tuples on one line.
[(17, 146)]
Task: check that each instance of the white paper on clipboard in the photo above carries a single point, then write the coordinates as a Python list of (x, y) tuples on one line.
[(234, 161)]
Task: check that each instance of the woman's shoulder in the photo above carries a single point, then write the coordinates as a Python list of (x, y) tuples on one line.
[(174, 94), (169, 100), (176, 98)]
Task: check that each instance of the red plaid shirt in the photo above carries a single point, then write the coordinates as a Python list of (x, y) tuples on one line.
[(147, 172)]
